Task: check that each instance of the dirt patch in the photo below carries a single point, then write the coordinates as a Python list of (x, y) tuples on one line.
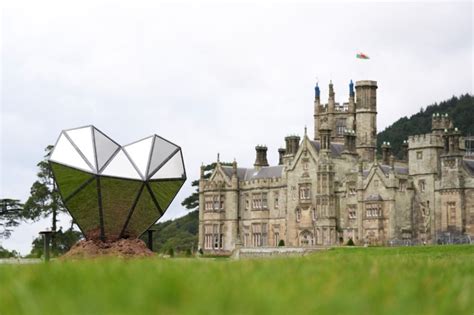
[(126, 248)]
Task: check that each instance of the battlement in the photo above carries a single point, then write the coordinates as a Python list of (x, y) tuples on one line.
[(424, 140), (440, 122), (338, 108)]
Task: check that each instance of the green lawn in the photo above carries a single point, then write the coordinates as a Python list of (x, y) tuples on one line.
[(408, 280)]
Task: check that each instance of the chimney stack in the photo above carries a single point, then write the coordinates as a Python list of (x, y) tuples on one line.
[(350, 141), (386, 153), (281, 153), (405, 150), (292, 144), (261, 159)]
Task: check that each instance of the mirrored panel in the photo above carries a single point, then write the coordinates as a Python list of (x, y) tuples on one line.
[(173, 168), (65, 153), (144, 214), (84, 208), (139, 153), (104, 148), (68, 179), (118, 197), (165, 191), (162, 150), (120, 166), (82, 138)]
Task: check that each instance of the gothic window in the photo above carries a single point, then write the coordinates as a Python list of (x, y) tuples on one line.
[(213, 237), (276, 202), (276, 238), (313, 214), (259, 201), (259, 234), (419, 155), (351, 211), (264, 201), (373, 210), (421, 185), (305, 192), (340, 126), (214, 202), (298, 215), (247, 204), (208, 205), (402, 185)]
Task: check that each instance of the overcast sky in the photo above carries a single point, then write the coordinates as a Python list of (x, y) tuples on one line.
[(212, 78)]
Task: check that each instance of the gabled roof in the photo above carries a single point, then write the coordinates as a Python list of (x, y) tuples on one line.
[(246, 174), (399, 170), (374, 197), (336, 148)]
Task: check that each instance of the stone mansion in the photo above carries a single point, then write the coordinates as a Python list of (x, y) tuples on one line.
[(332, 188)]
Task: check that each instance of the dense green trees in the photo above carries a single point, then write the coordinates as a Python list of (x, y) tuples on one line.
[(179, 234), (460, 109)]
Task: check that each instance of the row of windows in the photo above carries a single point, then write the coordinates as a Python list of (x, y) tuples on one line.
[(214, 202), (213, 236)]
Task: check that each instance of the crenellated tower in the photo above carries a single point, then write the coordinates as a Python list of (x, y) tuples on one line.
[(366, 119)]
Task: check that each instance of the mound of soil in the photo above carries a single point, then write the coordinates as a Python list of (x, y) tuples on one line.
[(126, 248)]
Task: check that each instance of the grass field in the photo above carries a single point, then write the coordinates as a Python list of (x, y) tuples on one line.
[(408, 280)]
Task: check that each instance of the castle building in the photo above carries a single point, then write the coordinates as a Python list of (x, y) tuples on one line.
[(333, 188)]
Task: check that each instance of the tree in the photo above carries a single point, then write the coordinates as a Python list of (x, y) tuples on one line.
[(192, 201), (45, 199), (11, 212), (5, 253), (64, 242)]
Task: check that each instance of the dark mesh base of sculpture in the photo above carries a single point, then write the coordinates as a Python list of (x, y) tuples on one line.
[(115, 191)]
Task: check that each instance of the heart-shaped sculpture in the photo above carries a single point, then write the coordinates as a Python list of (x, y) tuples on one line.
[(115, 191)]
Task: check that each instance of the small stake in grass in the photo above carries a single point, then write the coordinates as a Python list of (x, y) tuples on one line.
[(46, 240), (150, 239)]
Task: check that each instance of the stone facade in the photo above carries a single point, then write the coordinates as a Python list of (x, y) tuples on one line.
[(332, 188)]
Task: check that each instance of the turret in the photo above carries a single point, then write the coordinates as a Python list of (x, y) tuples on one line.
[(351, 97), (440, 122), (366, 119), (317, 107), (261, 156), (451, 141), (331, 99)]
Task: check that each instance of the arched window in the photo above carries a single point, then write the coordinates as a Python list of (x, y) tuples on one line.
[(298, 214)]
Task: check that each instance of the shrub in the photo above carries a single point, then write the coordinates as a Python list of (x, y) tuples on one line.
[(171, 252), (281, 243), (350, 242), (188, 253)]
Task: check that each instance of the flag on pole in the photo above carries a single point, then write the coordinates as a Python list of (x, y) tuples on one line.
[(362, 56)]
